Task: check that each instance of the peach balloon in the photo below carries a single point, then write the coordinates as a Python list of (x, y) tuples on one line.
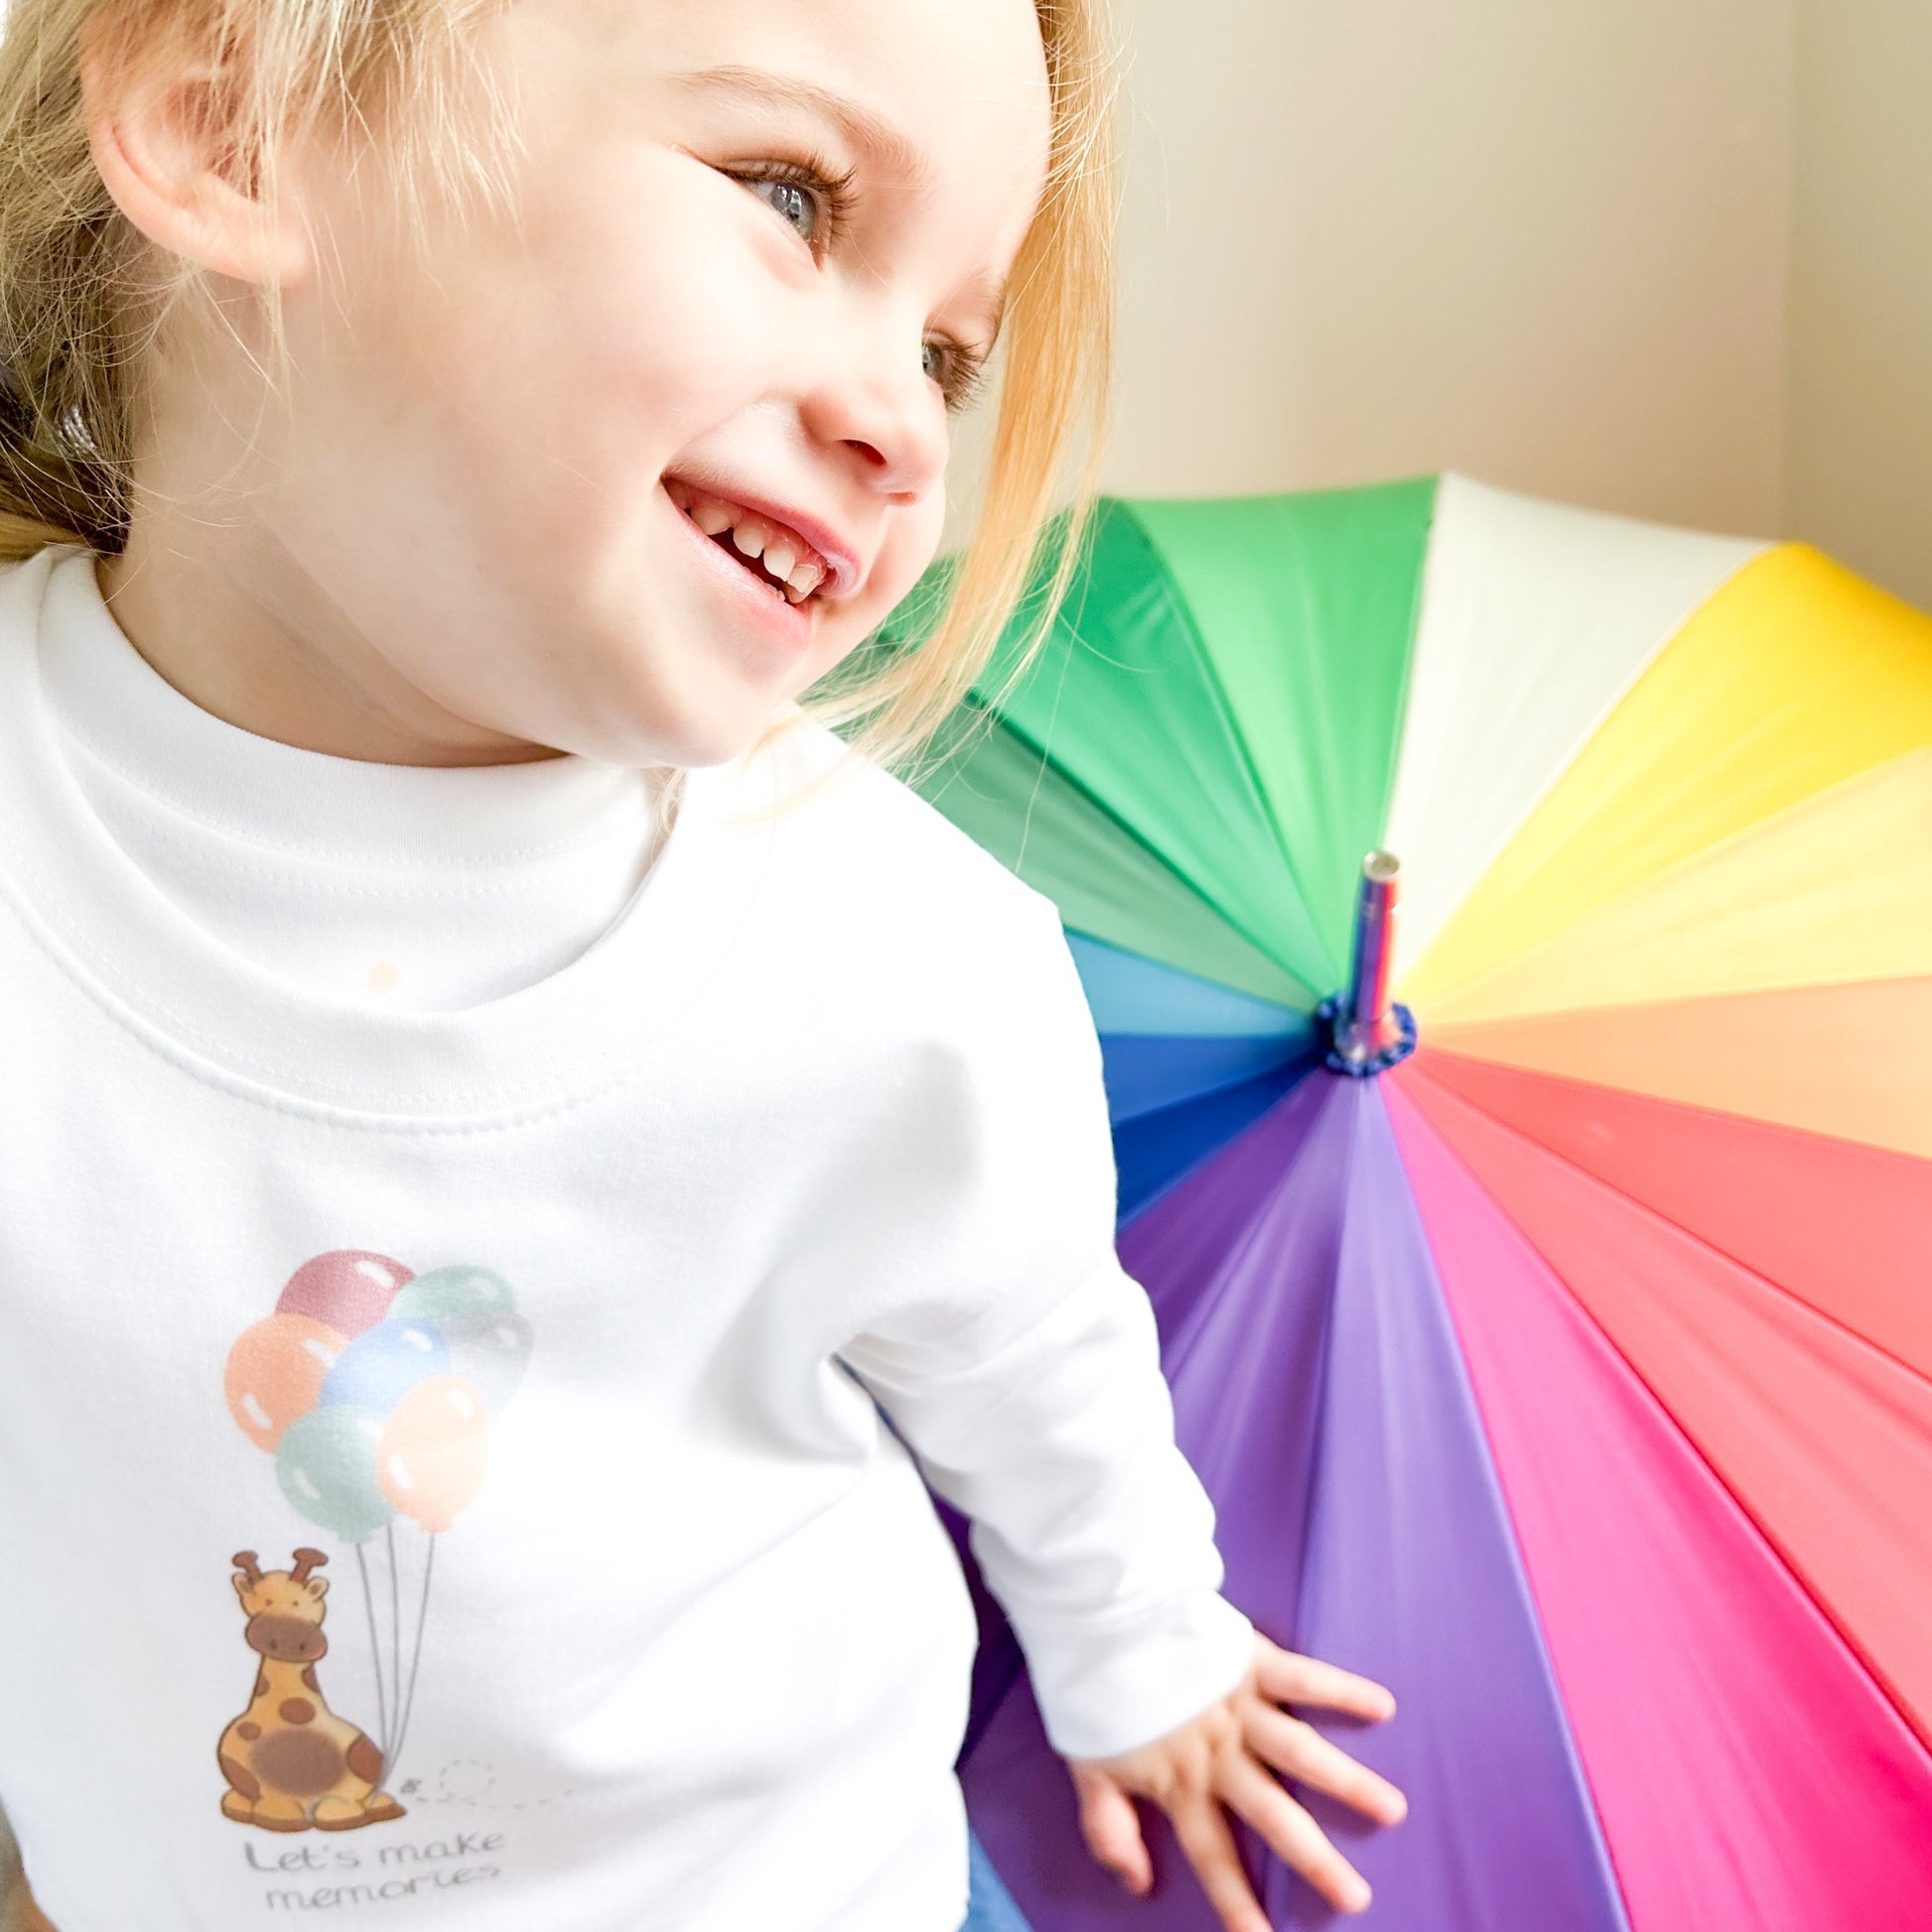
[(275, 1372), (435, 1444)]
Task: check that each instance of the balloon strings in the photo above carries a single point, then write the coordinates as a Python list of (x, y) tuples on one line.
[(375, 1650), (416, 1658), (396, 1646)]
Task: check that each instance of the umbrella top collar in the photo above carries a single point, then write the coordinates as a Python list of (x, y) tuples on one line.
[(1368, 1034)]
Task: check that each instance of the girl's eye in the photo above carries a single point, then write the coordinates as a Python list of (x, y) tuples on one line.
[(959, 373), (794, 202), (817, 201), (808, 194)]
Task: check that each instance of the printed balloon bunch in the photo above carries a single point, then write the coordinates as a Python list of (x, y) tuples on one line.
[(373, 1388)]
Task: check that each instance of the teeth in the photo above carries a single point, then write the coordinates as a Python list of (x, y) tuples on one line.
[(753, 536)]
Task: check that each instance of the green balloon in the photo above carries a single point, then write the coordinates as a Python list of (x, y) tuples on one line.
[(326, 1463), (457, 1299)]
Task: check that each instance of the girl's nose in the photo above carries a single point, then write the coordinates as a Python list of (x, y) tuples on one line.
[(880, 406)]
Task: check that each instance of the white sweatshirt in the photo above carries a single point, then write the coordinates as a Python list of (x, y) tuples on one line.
[(452, 1238)]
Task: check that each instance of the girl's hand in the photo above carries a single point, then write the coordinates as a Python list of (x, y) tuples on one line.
[(1223, 1758)]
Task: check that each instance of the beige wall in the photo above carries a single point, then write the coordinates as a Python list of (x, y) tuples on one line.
[(1541, 241), (1860, 453), (1544, 243)]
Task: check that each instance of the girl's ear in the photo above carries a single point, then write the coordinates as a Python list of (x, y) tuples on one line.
[(166, 149)]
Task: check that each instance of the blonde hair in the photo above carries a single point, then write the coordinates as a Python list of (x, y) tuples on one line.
[(84, 295)]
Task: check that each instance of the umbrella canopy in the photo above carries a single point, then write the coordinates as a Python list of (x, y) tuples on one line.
[(1559, 1359)]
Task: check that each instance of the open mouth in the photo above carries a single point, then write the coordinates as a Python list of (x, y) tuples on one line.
[(771, 555)]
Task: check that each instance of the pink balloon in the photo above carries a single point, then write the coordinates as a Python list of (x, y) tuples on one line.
[(348, 1289)]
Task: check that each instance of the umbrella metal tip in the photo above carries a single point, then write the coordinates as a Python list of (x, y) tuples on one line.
[(1381, 867)]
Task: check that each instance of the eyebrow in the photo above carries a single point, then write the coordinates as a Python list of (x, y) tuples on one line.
[(859, 126)]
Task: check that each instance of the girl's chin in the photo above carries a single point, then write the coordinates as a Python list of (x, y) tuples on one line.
[(724, 702)]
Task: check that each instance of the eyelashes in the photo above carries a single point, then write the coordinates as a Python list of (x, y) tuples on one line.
[(811, 174), (966, 373), (836, 195)]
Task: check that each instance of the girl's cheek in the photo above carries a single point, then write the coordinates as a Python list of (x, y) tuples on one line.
[(654, 337), (912, 540), (627, 290)]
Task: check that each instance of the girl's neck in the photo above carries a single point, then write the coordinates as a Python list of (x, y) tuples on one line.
[(258, 646)]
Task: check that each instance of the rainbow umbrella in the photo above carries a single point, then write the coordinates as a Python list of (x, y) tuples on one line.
[(1553, 1337)]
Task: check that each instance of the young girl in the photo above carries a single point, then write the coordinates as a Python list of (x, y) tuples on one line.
[(513, 1140)]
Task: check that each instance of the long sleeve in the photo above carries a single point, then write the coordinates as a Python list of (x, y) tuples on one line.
[(1035, 1400)]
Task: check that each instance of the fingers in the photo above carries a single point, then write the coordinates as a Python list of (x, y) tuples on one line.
[(1224, 1758), (1301, 1752), (1202, 1832), (1292, 1834), (1112, 1829), (1287, 1677)]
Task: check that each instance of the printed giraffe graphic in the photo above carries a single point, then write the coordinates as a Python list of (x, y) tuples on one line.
[(373, 1388), (291, 1763)]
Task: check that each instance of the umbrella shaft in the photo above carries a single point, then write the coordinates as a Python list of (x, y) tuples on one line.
[(1368, 1023)]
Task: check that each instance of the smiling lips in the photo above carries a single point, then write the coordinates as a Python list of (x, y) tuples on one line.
[(779, 558)]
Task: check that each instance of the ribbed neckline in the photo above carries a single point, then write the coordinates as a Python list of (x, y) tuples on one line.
[(65, 665)]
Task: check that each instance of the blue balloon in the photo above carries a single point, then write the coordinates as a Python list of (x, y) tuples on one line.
[(326, 1465), (378, 1369)]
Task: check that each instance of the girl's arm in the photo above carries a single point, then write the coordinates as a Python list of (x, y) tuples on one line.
[(1091, 1528), (1026, 1375), (1022, 1367)]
